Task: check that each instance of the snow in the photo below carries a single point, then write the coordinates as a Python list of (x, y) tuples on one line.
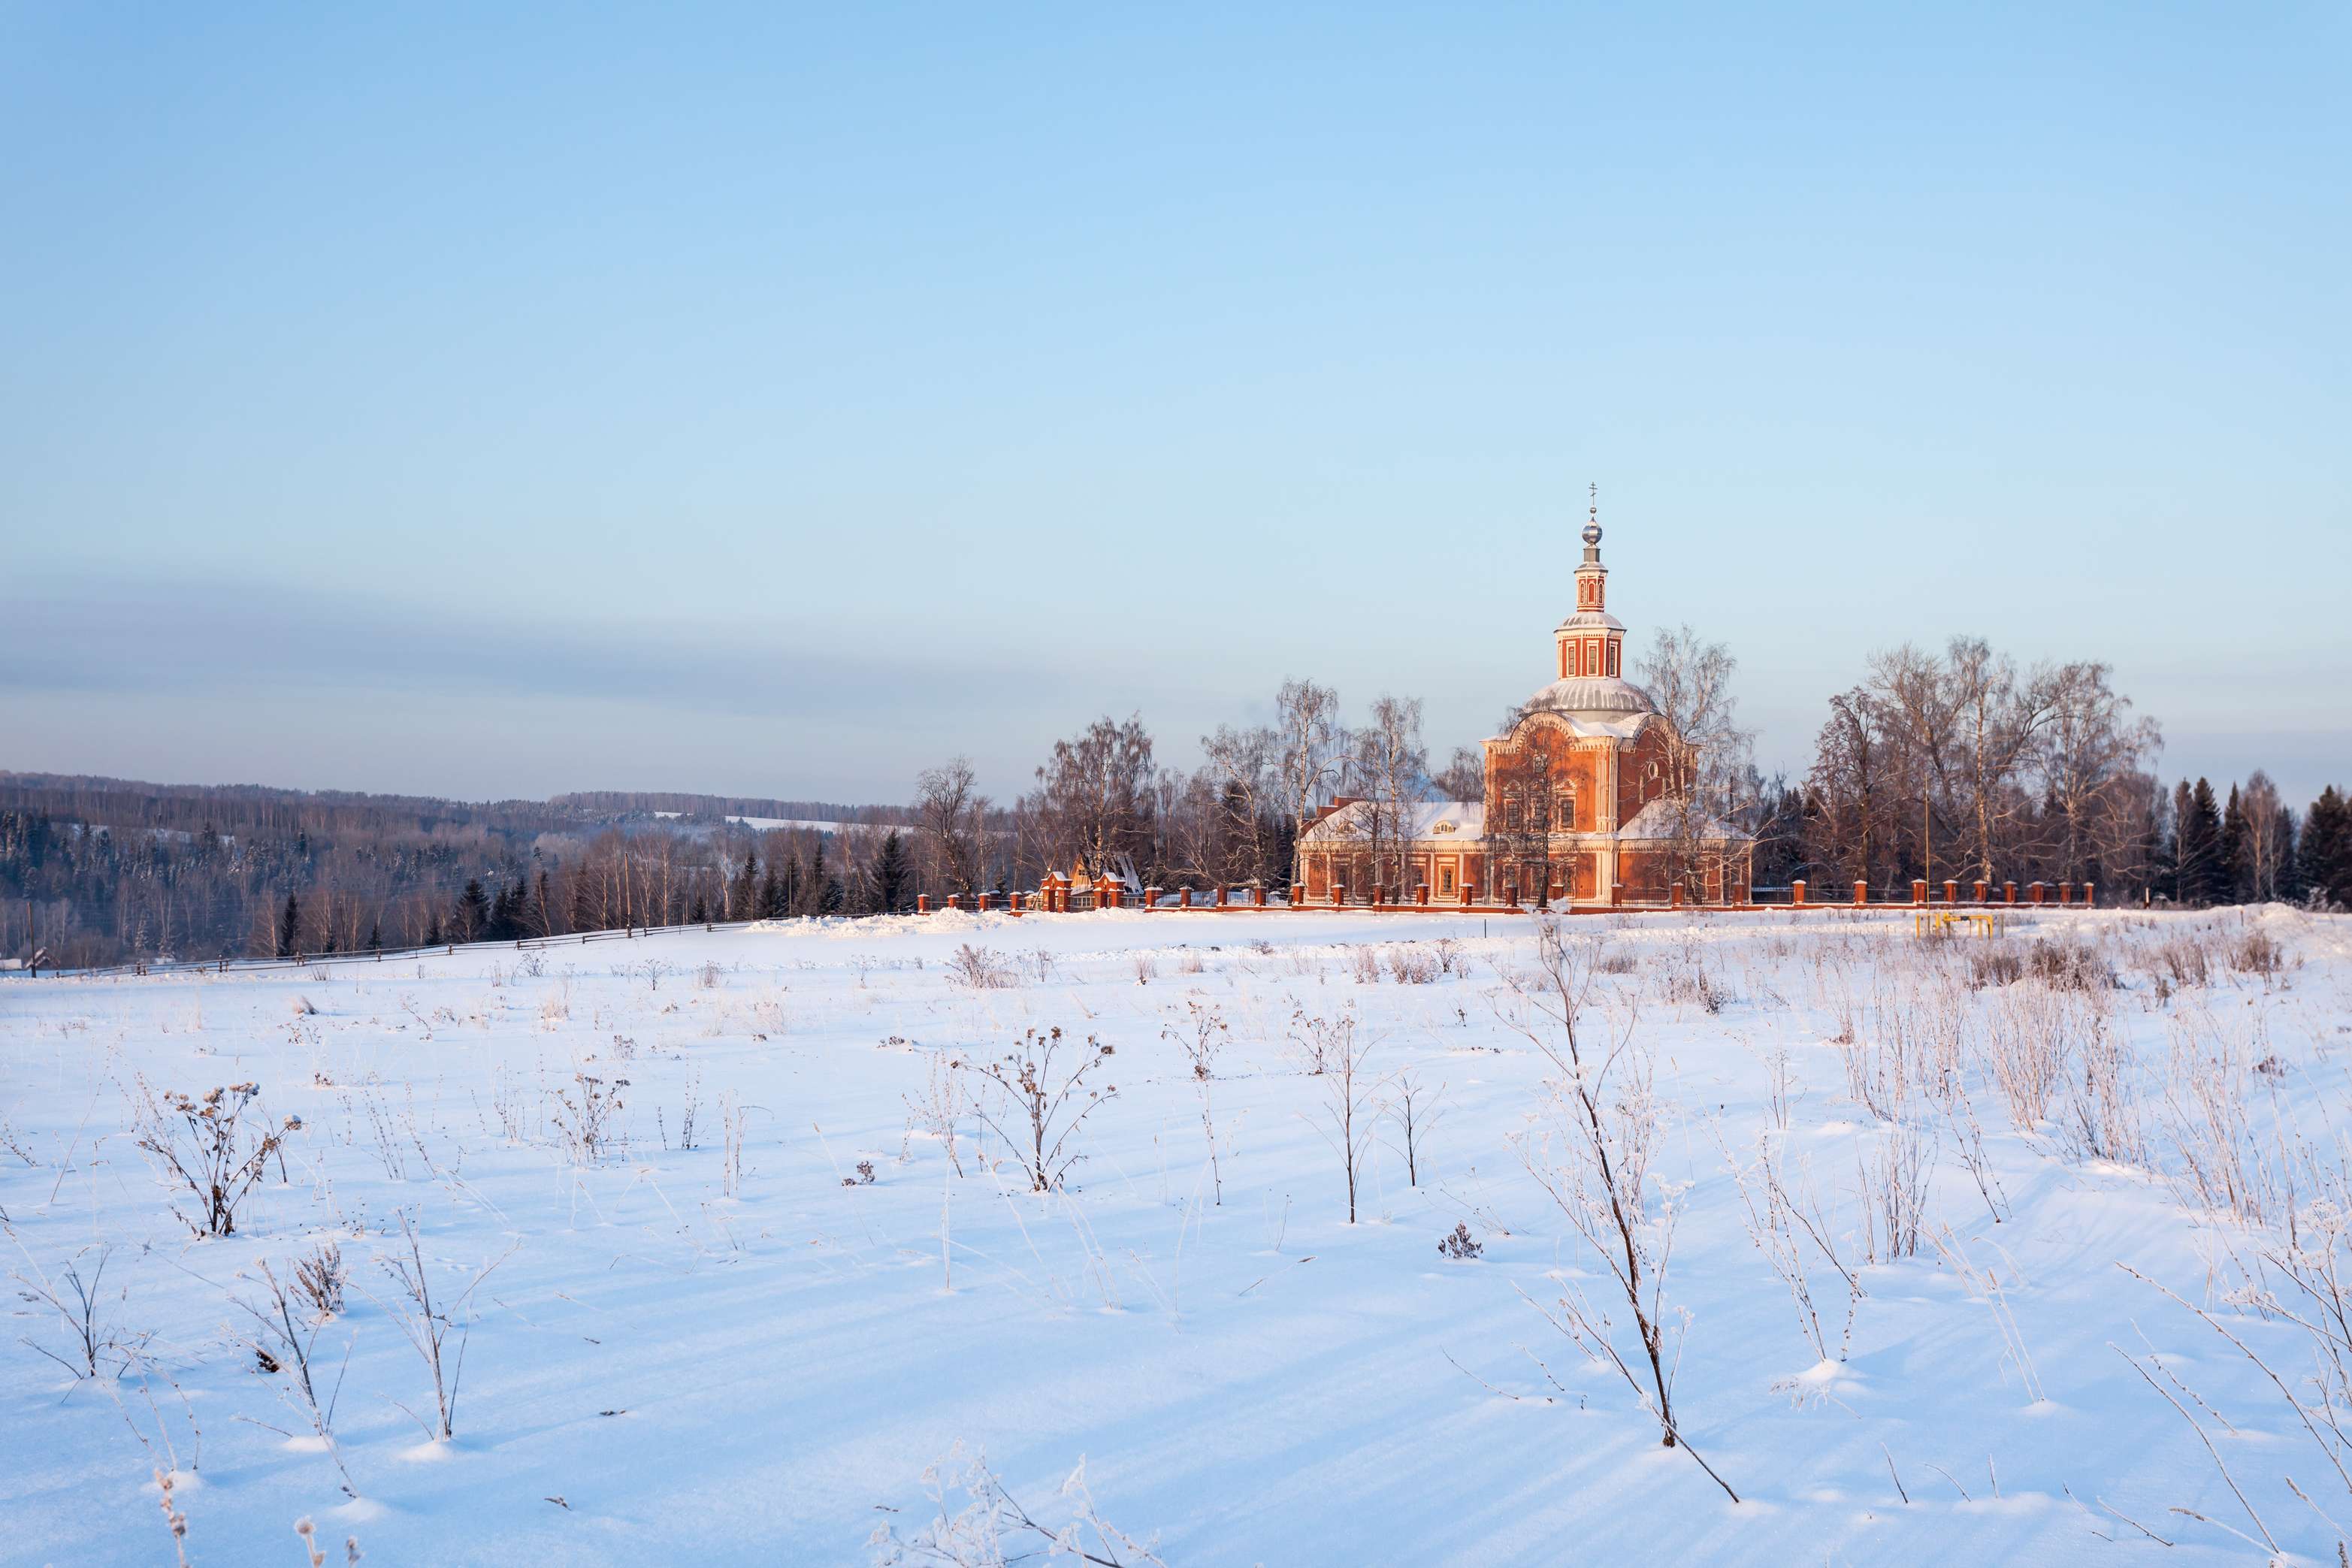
[(1459, 819), (764, 1376)]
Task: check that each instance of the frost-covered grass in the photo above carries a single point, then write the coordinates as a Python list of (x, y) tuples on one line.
[(721, 1242)]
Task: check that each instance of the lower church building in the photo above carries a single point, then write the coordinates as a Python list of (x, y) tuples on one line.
[(1586, 800)]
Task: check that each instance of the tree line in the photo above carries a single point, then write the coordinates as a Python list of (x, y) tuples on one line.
[(1952, 764)]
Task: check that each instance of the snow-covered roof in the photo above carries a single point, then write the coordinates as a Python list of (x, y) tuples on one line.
[(1433, 820), (1661, 818), (1587, 619), (1598, 696)]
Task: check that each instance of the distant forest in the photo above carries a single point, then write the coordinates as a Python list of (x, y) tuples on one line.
[(99, 871)]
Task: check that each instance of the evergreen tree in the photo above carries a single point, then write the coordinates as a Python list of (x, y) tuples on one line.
[(2290, 871), (289, 927), (772, 896), (2325, 861), (700, 914), (432, 932), (2198, 873), (2236, 856), (745, 887), (375, 938), (892, 875), (473, 911)]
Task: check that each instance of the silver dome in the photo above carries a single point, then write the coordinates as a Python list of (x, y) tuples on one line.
[(1601, 695)]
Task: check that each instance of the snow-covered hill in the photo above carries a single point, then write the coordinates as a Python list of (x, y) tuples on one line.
[(1913, 1189)]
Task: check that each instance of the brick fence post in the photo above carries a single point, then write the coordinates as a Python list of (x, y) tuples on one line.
[(922, 904), (2033, 894), (2009, 893), (1918, 890), (1675, 896), (1797, 894), (1861, 893), (1951, 891), (1980, 894), (2087, 894), (2065, 894)]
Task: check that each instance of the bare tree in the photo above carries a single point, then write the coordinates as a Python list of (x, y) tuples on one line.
[(953, 816), (1853, 784), (2268, 839), (1917, 701), (1309, 746), (1389, 764), (1094, 795), (1705, 752), (2088, 759), (1464, 777)]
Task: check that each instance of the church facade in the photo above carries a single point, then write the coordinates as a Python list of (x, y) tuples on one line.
[(1584, 800)]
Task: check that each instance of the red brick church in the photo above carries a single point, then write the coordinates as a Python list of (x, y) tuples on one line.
[(1579, 801)]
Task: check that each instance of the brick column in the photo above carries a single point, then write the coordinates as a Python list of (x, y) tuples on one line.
[(1150, 899), (1421, 895), (2065, 894), (922, 904), (1257, 895), (1297, 894), (1616, 894), (1675, 896), (2033, 891), (1797, 893), (1466, 894), (1918, 890), (2087, 894), (1861, 893), (1980, 894), (1511, 893), (955, 901), (2009, 893), (1951, 891)]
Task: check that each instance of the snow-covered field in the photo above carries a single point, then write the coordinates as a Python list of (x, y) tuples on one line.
[(737, 1348)]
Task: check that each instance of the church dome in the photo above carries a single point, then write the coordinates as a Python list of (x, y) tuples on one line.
[(1594, 696)]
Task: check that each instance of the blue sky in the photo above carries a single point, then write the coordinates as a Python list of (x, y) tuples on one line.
[(774, 401)]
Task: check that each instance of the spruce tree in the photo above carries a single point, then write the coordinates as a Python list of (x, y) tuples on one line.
[(432, 932), (375, 938), (2200, 855), (2235, 878), (892, 875), (473, 910), (699, 915), (2325, 861), (740, 897), (290, 927), (771, 894), (2290, 865)]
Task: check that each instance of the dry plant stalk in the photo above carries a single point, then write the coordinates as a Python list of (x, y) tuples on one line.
[(429, 1324), (973, 1534), (204, 1152), (1593, 1161), (1201, 1039), (1049, 1101), (280, 1344)]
